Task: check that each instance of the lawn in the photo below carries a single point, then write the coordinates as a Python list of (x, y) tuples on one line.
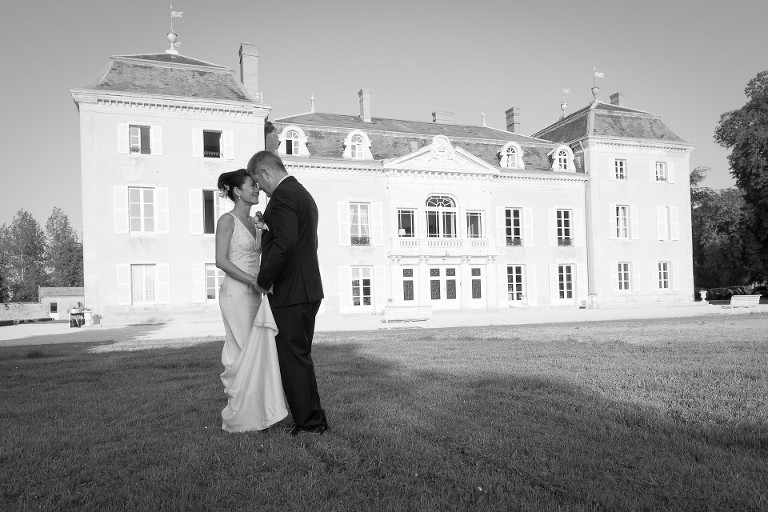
[(665, 414)]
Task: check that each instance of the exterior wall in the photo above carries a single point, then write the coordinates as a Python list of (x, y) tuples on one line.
[(63, 304)]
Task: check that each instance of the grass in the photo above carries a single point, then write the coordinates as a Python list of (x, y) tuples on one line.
[(639, 415)]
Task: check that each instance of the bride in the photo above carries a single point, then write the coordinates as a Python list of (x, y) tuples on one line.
[(251, 372)]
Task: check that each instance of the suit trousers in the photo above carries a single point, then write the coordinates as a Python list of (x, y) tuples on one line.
[(296, 326)]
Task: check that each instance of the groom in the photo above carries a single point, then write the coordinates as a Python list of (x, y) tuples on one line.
[(289, 263)]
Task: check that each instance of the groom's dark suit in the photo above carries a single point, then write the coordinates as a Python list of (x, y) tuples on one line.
[(289, 263)]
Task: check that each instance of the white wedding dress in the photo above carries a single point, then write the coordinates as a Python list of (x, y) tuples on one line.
[(252, 374)]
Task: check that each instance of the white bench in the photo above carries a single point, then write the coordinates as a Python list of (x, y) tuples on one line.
[(742, 301), (406, 314)]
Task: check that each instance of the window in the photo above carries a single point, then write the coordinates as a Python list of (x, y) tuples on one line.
[(141, 210), (664, 275), (360, 223), (408, 288), (513, 226), (138, 138), (620, 169), (565, 281), (474, 225), (209, 212), (515, 282), (564, 237), (477, 283), (54, 307), (442, 283), (562, 160), (361, 286), (356, 147), (213, 279), (211, 144), (441, 217), (667, 223), (623, 275), (511, 156), (406, 223), (622, 221), (292, 142), (661, 171), (143, 284)]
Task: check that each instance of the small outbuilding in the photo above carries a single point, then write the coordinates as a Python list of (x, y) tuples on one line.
[(57, 301)]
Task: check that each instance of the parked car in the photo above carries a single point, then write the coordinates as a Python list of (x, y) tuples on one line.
[(738, 290), (719, 294)]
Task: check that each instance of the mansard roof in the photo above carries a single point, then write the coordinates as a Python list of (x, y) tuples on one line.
[(611, 121), (393, 138), (171, 75)]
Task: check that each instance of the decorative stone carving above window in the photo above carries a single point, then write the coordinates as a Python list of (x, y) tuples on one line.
[(293, 142), (357, 146), (511, 156), (562, 159)]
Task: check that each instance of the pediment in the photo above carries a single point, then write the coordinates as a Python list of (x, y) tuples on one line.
[(441, 155)]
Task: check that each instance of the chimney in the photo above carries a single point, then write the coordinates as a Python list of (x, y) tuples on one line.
[(365, 105), (617, 99), (249, 69), (513, 119), (442, 117)]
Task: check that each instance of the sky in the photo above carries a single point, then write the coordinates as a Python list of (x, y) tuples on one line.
[(688, 61)]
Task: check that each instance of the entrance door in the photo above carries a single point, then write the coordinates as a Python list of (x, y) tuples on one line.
[(443, 287)]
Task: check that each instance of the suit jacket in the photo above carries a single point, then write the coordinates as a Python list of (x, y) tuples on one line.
[(289, 247)]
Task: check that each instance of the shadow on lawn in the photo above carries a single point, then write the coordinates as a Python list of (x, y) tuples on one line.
[(85, 335)]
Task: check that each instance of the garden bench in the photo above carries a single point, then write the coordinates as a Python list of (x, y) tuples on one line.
[(406, 314), (742, 301)]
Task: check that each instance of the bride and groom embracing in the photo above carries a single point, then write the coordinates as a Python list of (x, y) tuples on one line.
[(267, 352)]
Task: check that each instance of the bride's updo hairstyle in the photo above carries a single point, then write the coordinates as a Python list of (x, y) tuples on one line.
[(229, 180)]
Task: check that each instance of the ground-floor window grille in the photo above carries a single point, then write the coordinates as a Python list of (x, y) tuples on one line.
[(623, 274), (477, 283), (664, 275), (408, 288), (361, 286), (565, 281), (515, 282)]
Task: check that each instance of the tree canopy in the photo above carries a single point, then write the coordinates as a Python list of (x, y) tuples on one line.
[(64, 253)]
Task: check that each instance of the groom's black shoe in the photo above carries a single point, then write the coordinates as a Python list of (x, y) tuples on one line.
[(296, 430)]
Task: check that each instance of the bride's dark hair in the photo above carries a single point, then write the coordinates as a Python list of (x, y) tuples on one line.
[(229, 180)]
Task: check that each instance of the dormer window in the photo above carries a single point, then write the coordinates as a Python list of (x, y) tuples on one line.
[(562, 159), (511, 156), (293, 142), (357, 146)]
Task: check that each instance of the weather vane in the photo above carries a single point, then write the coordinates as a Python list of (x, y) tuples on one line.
[(595, 88), (564, 105), (172, 37)]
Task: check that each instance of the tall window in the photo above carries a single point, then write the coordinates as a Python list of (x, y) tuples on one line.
[(441, 217), (474, 225), (141, 210), (356, 147), (406, 223), (213, 279), (664, 275), (143, 289), (565, 281), (360, 223), (623, 275), (361, 286), (477, 282), (661, 171), (211, 144), (139, 141), (209, 212), (408, 285), (562, 160), (622, 221), (292, 142), (442, 283), (510, 160), (620, 168), (513, 226), (515, 282), (564, 236)]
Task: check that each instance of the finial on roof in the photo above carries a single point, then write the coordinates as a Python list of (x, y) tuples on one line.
[(172, 37), (595, 91), (564, 105), (482, 114), (312, 103)]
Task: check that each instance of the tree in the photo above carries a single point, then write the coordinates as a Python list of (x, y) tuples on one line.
[(5, 293), (24, 255), (745, 132), (64, 253)]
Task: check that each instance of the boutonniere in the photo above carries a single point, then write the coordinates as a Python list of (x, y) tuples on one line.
[(258, 221)]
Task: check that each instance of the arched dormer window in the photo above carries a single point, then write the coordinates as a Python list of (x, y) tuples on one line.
[(562, 159), (511, 156), (357, 146), (441, 217), (293, 142)]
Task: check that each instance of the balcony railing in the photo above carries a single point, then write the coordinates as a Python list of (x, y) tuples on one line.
[(514, 242), (441, 245), (360, 240), (565, 242)]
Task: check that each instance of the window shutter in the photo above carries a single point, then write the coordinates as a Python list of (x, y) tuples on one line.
[(661, 222), (528, 226), (120, 198), (156, 139), (530, 284), (377, 230), (162, 210), (671, 172), (578, 227), (637, 278), (554, 294), (674, 223), (345, 289), (198, 282), (344, 234), (195, 211), (380, 292), (634, 219), (123, 284), (122, 138), (197, 142), (612, 222), (501, 226), (676, 276), (655, 276), (501, 284), (653, 171), (552, 218), (228, 144), (614, 268), (581, 283), (163, 283), (612, 173)]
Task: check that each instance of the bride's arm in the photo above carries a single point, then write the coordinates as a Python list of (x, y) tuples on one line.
[(224, 229)]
